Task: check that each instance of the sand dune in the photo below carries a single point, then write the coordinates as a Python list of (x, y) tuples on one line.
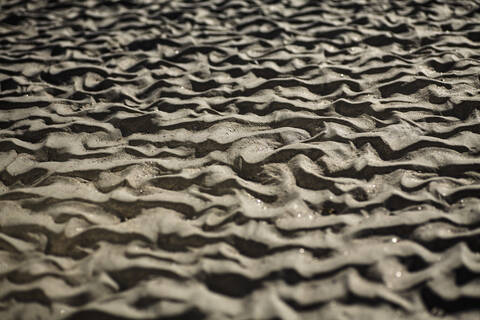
[(239, 159)]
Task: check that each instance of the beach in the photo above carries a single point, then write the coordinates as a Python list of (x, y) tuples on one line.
[(239, 159)]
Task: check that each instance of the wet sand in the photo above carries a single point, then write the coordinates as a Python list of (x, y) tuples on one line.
[(239, 159)]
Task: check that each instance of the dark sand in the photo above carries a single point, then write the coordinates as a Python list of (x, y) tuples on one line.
[(239, 160)]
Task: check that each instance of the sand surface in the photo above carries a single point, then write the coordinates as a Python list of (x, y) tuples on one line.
[(239, 159)]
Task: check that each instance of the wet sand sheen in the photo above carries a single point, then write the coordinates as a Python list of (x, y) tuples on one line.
[(239, 160)]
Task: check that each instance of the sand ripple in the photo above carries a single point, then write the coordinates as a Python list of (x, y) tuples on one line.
[(239, 159)]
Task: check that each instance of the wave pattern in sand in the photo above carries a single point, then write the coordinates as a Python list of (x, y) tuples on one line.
[(239, 159)]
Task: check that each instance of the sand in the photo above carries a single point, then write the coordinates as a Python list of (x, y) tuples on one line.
[(239, 159)]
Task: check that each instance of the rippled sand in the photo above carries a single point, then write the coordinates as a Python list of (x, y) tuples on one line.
[(239, 159)]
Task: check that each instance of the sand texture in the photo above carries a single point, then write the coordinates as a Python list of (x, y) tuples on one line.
[(239, 159)]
